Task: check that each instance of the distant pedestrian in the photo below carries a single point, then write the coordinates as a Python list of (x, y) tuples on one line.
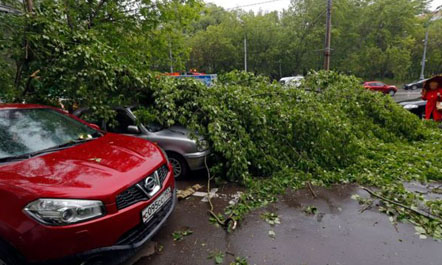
[(432, 92)]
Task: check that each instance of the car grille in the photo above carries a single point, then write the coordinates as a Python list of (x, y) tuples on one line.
[(162, 173), (139, 232), (133, 194)]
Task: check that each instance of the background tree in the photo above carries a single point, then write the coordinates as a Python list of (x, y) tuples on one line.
[(91, 52), (372, 39)]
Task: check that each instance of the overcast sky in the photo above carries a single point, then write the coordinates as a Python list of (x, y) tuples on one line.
[(269, 5)]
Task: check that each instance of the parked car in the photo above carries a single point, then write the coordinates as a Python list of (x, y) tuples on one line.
[(292, 81), (415, 106), (381, 87), (184, 153), (70, 191), (415, 85)]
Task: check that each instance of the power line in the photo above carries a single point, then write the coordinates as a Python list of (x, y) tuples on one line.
[(257, 4)]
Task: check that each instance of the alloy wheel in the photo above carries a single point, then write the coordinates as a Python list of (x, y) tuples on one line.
[(177, 168)]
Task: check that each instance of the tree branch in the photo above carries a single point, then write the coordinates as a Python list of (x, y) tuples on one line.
[(425, 214), (95, 13)]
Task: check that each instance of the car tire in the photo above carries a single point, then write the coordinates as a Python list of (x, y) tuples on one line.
[(414, 87), (392, 93), (179, 165)]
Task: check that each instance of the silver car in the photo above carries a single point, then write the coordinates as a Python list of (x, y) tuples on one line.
[(184, 153)]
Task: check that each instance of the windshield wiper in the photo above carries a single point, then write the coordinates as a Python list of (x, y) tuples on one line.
[(48, 150), (14, 158)]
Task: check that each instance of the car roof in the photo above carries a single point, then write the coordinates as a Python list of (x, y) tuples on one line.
[(292, 77), (22, 106)]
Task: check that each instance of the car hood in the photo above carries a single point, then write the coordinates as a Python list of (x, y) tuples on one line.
[(97, 169), (175, 131)]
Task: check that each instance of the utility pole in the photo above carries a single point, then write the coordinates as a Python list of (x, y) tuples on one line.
[(280, 69), (435, 16), (171, 57), (245, 52), (424, 56), (327, 50)]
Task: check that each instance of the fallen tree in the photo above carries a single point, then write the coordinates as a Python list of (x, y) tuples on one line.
[(270, 138)]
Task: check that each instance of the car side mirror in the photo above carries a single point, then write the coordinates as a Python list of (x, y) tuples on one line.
[(133, 129), (95, 126)]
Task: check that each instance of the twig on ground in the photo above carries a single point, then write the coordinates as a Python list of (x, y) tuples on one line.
[(230, 253), (225, 224), (368, 206), (425, 214), (309, 185)]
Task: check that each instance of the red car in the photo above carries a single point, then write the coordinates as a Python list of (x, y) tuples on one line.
[(381, 87), (69, 191)]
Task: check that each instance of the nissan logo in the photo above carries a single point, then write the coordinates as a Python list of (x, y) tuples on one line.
[(149, 184)]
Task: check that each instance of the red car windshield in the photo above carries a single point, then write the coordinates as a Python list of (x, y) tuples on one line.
[(27, 131)]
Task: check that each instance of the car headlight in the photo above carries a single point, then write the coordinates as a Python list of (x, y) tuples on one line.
[(411, 107), (202, 145), (58, 212)]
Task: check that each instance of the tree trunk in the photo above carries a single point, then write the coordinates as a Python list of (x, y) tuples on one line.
[(68, 15), (29, 6)]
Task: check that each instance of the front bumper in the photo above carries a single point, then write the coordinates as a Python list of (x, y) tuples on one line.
[(139, 235), (132, 239), (196, 161), (122, 230)]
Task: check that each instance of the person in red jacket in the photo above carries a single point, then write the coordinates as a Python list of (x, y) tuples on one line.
[(432, 92)]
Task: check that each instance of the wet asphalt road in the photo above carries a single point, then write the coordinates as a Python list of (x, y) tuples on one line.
[(337, 234), (405, 95)]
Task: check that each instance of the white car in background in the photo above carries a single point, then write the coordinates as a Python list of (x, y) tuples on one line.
[(292, 81)]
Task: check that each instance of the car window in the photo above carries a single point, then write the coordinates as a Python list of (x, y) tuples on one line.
[(24, 131), (122, 121), (86, 115), (154, 127), (151, 126)]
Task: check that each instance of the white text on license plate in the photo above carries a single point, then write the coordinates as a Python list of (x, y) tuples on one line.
[(150, 210)]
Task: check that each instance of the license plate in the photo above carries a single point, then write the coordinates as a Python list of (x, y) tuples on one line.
[(154, 207)]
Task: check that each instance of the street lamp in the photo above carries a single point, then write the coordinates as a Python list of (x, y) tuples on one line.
[(434, 17)]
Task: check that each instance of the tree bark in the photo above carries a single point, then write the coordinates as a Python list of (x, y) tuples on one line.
[(68, 15)]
